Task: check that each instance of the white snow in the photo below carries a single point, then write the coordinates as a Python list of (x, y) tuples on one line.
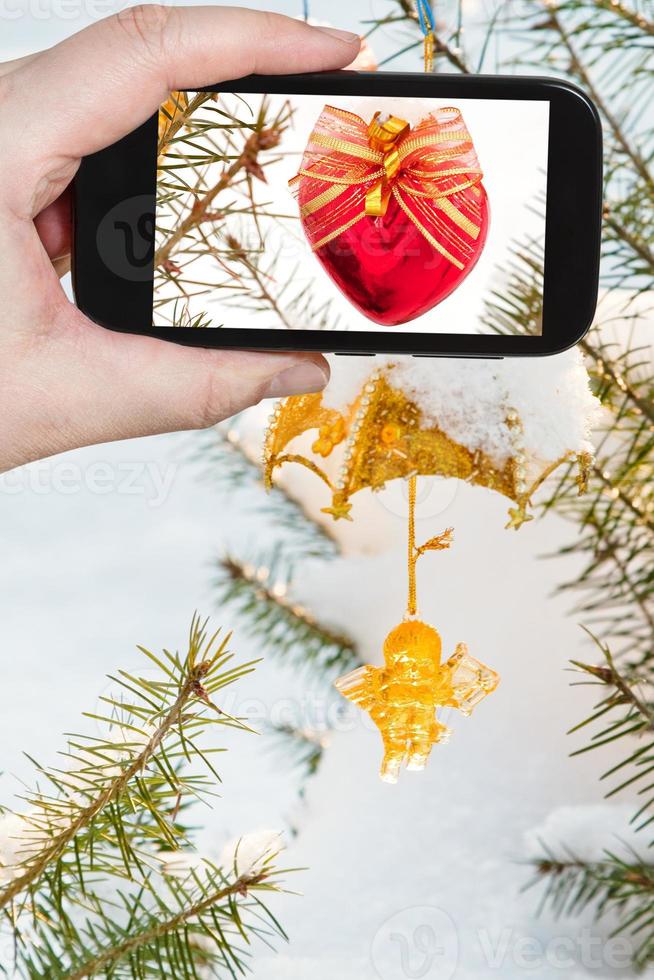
[(469, 399), (586, 833), (15, 835), (87, 575), (250, 853)]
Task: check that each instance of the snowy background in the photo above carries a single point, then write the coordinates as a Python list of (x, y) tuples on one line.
[(111, 546), (114, 545)]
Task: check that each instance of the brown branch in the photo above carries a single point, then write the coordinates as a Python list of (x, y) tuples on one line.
[(578, 68), (112, 956), (638, 245), (643, 405), (241, 255), (612, 678), (58, 844), (247, 160), (180, 119), (626, 13)]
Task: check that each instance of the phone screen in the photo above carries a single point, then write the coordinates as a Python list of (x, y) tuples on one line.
[(357, 213)]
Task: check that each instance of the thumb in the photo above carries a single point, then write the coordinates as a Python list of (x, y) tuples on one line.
[(126, 386), (148, 385)]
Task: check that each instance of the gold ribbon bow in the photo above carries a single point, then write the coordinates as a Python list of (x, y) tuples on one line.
[(351, 170), (383, 135)]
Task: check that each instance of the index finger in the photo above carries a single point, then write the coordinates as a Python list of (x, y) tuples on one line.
[(100, 84)]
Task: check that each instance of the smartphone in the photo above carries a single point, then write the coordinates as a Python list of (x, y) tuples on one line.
[(349, 212)]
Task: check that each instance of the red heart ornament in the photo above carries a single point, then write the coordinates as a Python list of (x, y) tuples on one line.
[(390, 272), (397, 215)]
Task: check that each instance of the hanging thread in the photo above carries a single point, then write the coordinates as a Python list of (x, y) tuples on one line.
[(438, 543), (412, 605), (428, 27)]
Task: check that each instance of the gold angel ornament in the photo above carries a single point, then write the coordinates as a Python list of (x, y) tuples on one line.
[(403, 696), (504, 426)]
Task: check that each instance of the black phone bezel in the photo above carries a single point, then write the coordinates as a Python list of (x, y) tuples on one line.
[(127, 171)]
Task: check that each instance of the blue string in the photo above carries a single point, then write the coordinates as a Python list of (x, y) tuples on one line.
[(426, 17), (305, 7)]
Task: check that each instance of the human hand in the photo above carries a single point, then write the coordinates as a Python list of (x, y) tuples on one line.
[(64, 381)]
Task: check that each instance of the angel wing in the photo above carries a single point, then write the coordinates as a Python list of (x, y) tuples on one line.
[(361, 686), (470, 680)]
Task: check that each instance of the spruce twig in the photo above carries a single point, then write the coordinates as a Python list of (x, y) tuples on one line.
[(247, 160), (191, 690), (160, 929), (89, 891), (263, 599), (224, 456)]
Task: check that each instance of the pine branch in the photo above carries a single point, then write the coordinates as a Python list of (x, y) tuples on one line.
[(625, 693), (305, 747), (155, 929), (198, 923), (625, 711), (613, 885), (263, 290), (247, 160), (115, 811), (51, 852), (232, 234), (617, 534), (286, 629), (616, 516), (206, 177), (590, 41), (578, 69), (223, 455)]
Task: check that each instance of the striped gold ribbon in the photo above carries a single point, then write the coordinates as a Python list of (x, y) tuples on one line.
[(352, 170)]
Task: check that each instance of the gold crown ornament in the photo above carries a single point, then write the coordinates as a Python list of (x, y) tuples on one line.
[(383, 435)]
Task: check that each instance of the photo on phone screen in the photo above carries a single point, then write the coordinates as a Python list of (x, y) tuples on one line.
[(392, 213)]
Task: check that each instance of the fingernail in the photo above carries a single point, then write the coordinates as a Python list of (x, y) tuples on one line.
[(341, 35), (302, 378)]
